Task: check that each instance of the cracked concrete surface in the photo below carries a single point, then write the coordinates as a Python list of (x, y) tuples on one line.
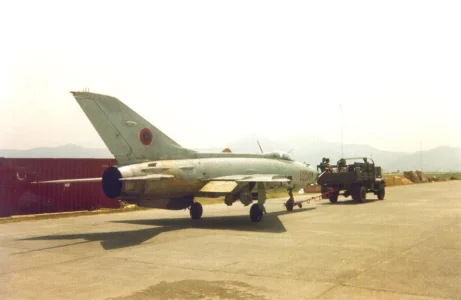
[(407, 246)]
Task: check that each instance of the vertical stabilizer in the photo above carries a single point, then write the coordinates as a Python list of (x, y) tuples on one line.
[(129, 137)]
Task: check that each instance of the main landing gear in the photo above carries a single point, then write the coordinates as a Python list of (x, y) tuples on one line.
[(257, 209), (256, 214), (196, 210)]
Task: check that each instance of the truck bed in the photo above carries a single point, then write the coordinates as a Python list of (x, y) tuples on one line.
[(343, 178)]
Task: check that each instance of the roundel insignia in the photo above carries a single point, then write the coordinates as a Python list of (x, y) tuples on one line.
[(145, 136)]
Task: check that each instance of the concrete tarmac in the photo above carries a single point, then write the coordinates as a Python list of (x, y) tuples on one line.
[(407, 246)]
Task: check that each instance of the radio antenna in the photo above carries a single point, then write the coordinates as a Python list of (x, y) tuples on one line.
[(342, 130), (260, 147)]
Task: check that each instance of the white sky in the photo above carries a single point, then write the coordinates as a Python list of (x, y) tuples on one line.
[(207, 72)]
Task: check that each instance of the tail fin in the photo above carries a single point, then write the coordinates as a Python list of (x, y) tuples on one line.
[(129, 137)]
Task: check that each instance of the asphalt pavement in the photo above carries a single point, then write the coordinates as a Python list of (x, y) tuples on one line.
[(407, 246)]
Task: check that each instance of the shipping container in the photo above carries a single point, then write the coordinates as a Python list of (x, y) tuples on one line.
[(19, 195)]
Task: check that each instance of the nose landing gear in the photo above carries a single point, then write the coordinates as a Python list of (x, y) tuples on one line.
[(290, 204)]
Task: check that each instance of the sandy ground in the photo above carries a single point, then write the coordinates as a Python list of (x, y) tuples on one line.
[(407, 246)]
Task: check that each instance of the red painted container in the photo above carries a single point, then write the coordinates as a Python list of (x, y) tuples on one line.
[(18, 195)]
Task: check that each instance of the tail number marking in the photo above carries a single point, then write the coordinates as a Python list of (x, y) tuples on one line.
[(304, 176)]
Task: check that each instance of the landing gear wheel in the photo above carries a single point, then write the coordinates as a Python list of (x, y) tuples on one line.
[(381, 193), (300, 205), (334, 198), (256, 214), (196, 210), (290, 204)]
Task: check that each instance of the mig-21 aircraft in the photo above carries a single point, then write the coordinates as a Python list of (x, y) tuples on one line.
[(156, 172)]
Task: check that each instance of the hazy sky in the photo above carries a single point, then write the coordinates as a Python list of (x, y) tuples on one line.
[(207, 72)]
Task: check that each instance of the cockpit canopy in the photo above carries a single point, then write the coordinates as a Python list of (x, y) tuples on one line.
[(281, 155)]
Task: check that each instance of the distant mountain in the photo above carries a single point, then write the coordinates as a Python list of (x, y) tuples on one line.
[(303, 148), (311, 150), (438, 159)]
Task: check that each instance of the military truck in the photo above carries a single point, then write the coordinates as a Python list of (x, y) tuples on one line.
[(356, 177)]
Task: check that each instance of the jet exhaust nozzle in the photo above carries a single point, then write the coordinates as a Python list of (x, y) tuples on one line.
[(111, 185)]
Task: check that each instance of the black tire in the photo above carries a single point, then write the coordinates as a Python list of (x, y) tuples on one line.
[(196, 211), (290, 204), (334, 198), (354, 193), (382, 193), (359, 194), (363, 194), (256, 214)]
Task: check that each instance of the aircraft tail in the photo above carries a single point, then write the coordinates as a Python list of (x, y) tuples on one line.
[(129, 137)]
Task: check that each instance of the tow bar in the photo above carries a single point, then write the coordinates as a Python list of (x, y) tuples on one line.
[(292, 203)]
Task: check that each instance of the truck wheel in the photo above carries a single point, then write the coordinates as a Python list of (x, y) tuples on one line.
[(359, 194), (334, 198), (382, 193), (363, 194)]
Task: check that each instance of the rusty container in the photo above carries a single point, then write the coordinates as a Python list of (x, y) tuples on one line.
[(19, 195)]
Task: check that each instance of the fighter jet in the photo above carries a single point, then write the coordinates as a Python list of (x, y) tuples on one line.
[(156, 172)]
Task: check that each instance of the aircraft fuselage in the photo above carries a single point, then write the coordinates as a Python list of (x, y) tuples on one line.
[(190, 175)]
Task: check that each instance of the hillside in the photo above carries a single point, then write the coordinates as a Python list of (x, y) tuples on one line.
[(442, 159), (306, 149), (312, 149)]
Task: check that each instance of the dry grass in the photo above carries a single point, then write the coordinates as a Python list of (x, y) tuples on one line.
[(445, 175), (396, 180), (437, 174), (399, 179)]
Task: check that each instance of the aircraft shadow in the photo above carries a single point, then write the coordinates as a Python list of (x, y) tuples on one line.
[(109, 240), (350, 202), (121, 239)]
